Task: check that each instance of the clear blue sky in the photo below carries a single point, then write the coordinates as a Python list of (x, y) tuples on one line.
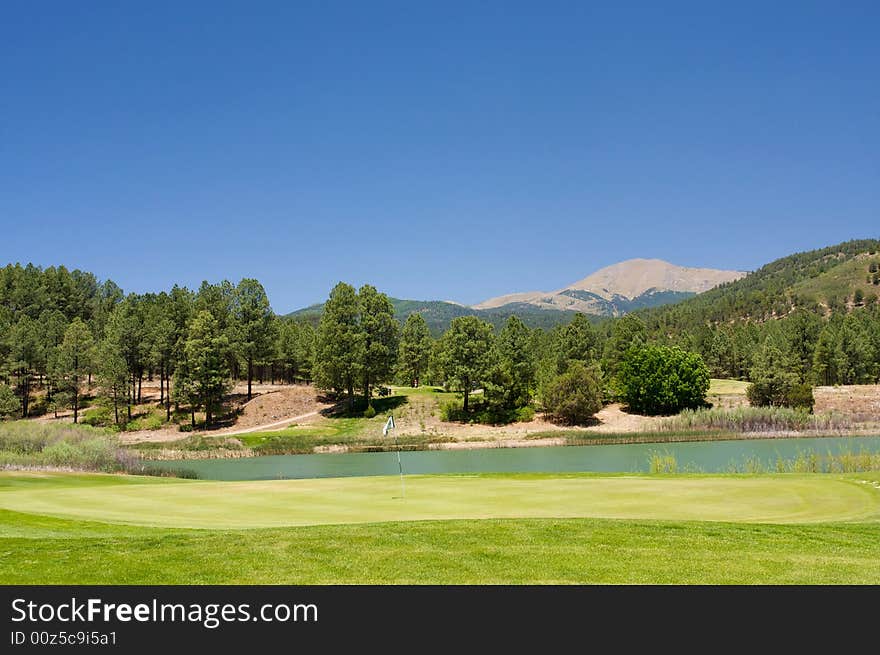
[(437, 150)]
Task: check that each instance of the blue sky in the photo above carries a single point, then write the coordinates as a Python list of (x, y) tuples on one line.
[(437, 150)]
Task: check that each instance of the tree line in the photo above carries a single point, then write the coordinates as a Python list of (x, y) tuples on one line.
[(63, 333)]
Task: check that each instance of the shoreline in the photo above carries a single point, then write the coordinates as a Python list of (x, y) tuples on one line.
[(171, 454)]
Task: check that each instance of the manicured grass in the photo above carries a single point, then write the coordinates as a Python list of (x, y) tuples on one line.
[(722, 387), (522, 541), (276, 503)]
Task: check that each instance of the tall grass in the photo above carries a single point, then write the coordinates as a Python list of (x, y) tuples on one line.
[(33, 445), (805, 462), (756, 419), (662, 463)]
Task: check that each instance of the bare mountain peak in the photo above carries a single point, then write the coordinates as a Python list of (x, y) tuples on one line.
[(634, 277), (610, 289)]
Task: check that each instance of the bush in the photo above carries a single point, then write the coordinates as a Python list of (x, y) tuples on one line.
[(663, 380), (370, 412), (101, 415), (575, 396), (484, 413), (780, 391), (25, 444)]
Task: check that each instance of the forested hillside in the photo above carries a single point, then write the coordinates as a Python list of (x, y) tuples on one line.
[(438, 314), (815, 312)]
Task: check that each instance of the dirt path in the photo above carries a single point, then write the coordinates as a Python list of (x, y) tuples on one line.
[(277, 425)]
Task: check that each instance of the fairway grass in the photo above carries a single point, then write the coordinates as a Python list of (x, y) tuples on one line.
[(70, 528)]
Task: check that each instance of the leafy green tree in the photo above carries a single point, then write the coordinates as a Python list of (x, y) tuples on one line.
[(465, 354), (415, 349), (254, 325), (381, 338), (206, 353), (575, 396), (74, 360), (658, 379), (339, 353)]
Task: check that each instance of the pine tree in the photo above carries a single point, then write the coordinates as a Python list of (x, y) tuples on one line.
[(254, 325), (415, 349), (74, 360), (465, 354), (339, 352), (206, 353), (381, 336)]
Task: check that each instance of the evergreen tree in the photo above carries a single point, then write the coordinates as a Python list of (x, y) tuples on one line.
[(380, 335), (254, 325), (415, 349), (626, 332), (465, 354), (74, 360), (24, 357), (339, 353), (206, 352), (774, 383), (9, 405), (516, 363), (114, 382), (824, 357), (801, 332)]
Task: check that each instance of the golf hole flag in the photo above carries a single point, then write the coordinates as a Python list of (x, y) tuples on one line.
[(389, 425)]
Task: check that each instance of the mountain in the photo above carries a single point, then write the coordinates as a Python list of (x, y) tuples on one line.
[(621, 288), (438, 314), (611, 291), (834, 279)]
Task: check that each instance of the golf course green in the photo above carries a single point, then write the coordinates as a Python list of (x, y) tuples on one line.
[(170, 503), (487, 529)]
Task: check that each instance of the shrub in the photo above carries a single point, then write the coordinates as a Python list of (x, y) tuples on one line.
[(484, 413), (574, 396), (780, 391), (81, 448), (369, 412), (101, 415), (663, 380)]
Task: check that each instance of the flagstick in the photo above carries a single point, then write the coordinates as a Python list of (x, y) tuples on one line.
[(389, 425), (400, 468)]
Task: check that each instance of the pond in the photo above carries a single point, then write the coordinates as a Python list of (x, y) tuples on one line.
[(702, 456)]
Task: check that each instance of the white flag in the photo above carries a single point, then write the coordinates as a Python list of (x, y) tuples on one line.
[(389, 424)]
